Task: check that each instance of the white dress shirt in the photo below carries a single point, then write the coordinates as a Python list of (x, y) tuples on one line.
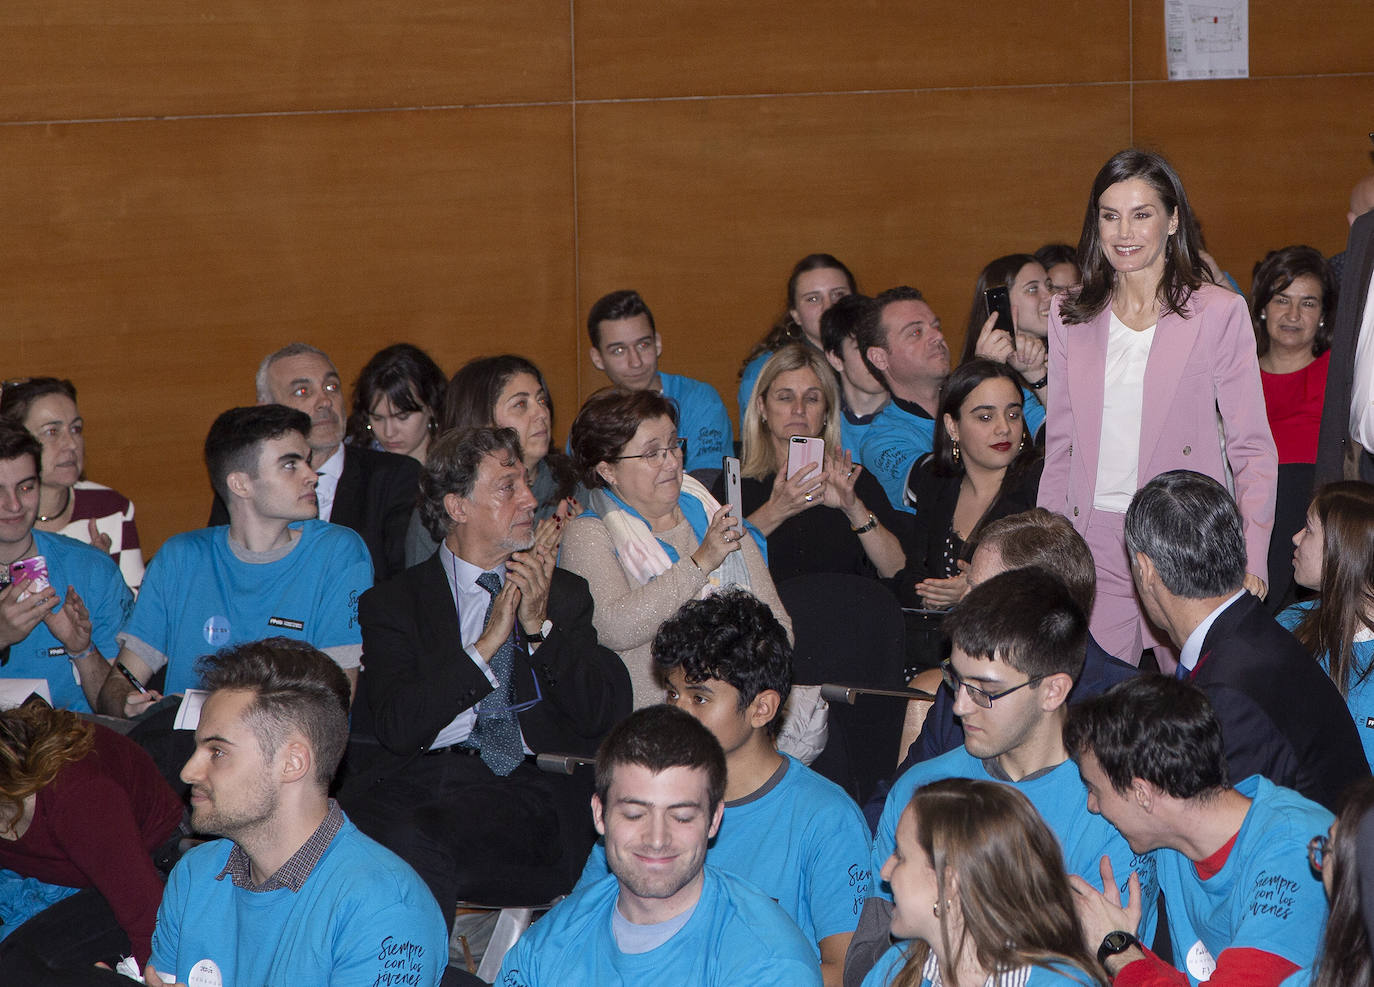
[(329, 475), (1362, 383)]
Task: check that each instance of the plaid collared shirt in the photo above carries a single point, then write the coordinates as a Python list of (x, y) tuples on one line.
[(293, 873)]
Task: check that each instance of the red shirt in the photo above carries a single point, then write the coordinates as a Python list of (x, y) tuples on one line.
[(1294, 405), (96, 825)]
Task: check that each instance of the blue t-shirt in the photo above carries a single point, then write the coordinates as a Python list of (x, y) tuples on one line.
[(894, 441), (736, 935), (853, 429), (1360, 697), (362, 917), (198, 596), (1052, 974), (1062, 801), (748, 379), (802, 842), (107, 598), (1264, 897), (702, 421)]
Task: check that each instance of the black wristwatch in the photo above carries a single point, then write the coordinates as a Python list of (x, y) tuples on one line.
[(545, 629), (1115, 944)]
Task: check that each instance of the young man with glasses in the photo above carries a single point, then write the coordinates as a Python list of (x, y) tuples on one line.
[(1018, 642), (478, 658), (1234, 863)]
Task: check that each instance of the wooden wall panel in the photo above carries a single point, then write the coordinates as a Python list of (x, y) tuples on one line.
[(168, 258), (714, 47), (79, 59), (1266, 162), (705, 206)]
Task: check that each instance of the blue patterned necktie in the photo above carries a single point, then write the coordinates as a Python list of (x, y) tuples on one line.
[(497, 733)]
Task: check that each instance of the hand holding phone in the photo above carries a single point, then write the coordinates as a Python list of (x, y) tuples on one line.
[(998, 301), (733, 493), (35, 571)]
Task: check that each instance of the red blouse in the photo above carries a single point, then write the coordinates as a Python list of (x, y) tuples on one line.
[(1294, 405)]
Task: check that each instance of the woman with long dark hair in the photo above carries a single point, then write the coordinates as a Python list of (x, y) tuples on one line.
[(1152, 368), (1334, 554), (979, 894), (397, 400), (817, 282), (1345, 958)]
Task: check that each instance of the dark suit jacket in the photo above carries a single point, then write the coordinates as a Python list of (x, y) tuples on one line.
[(1335, 429), (417, 677), (375, 497), (1280, 714)]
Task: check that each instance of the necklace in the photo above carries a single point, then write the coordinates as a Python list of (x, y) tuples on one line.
[(65, 504)]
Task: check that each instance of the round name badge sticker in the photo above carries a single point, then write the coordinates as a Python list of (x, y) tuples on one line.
[(205, 974), (1200, 962), (216, 631)]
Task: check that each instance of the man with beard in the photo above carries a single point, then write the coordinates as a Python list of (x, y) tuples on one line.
[(370, 491), (293, 892), (662, 914)]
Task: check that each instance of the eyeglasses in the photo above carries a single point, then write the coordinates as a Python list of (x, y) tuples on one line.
[(657, 457), (1317, 849), (979, 696)]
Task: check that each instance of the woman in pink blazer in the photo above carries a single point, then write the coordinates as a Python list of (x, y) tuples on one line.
[(1152, 368)]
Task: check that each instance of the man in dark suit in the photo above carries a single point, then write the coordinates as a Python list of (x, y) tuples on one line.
[(1280, 714), (474, 659), (371, 492), (1352, 321)]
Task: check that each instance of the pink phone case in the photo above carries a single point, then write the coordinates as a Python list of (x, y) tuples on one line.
[(802, 452), (35, 570)]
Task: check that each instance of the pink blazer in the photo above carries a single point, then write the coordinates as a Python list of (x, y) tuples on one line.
[(1197, 365)]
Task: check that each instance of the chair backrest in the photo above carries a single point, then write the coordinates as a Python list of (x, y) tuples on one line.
[(849, 629)]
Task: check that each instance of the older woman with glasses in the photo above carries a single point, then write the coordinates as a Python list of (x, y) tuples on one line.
[(652, 538)]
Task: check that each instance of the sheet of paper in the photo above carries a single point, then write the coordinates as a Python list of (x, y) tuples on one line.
[(15, 691), (1207, 39), (188, 714)]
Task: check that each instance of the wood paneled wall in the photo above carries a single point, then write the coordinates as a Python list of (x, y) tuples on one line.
[(186, 187)]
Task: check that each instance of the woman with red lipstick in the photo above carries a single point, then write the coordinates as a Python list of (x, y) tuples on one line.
[(396, 402), (1152, 368), (984, 467), (835, 519), (68, 503), (1292, 306)]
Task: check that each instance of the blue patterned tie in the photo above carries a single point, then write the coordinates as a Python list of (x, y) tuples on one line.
[(497, 734)]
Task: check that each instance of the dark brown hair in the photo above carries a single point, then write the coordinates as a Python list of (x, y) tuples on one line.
[(1279, 269), (607, 421)]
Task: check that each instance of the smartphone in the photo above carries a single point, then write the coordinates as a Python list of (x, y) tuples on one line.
[(998, 300), (802, 451), (732, 491), (133, 679), (35, 570)]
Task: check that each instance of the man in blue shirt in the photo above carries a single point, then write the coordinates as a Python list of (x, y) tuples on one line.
[(862, 396), (293, 892), (1243, 906), (663, 915), (626, 347), (66, 645), (791, 833), (274, 570)]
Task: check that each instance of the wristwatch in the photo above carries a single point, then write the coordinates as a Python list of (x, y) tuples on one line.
[(545, 629), (1114, 944)]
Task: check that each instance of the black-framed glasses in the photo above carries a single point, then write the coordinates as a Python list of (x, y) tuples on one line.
[(979, 696), (657, 457), (1318, 847)]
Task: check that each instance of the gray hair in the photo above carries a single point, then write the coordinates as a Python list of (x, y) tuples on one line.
[(1188, 525), (290, 349), (451, 468)]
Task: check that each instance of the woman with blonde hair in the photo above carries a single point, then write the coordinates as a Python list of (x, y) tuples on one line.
[(830, 518), (979, 895), (83, 807)]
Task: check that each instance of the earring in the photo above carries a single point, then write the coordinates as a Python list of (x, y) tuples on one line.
[(956, 450), (1321, 323), (1023, 440), (1264, 317), (935, 909)]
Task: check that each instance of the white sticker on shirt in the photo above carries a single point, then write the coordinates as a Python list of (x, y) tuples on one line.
[(205, 974), (1200, 963), (216, 631)]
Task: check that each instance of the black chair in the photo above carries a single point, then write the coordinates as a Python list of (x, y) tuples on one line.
[(849, 630)]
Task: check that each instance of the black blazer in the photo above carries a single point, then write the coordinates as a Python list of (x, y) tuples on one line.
[(375, 497), (1335, 428), (417, 677), (1281, 715)]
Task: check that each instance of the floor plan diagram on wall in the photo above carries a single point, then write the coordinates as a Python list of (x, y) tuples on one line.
[(1207, 39)]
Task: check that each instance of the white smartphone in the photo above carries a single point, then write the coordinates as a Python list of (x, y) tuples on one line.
[(802, 451), (733, 496)]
